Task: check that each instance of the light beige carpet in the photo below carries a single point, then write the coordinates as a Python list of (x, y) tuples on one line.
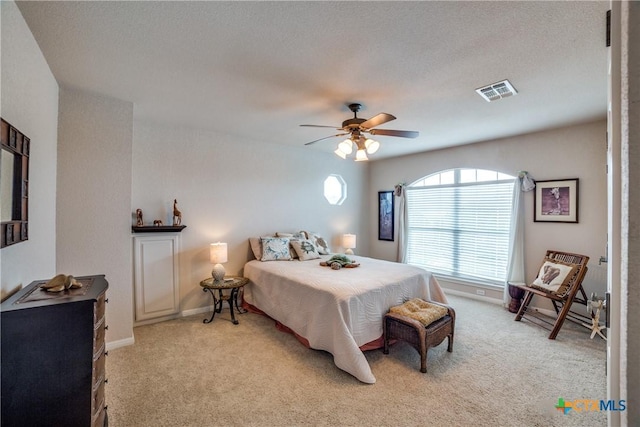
[(501, 373)]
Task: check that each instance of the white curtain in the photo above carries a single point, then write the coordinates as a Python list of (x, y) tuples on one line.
[(515, 264), (400, 194)]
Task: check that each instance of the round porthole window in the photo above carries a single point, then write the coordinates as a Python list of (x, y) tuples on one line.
[(335, 189)]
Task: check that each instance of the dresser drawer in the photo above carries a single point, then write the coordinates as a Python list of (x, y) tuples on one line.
[(99, 367), (99, 308), (98, 336), (99, 419), (97, 399)]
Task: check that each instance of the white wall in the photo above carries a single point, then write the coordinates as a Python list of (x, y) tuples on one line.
[(230, 189), (30, 103), (94, 196), (570, 152)]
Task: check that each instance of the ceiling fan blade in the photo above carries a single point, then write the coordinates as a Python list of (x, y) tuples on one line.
[(319, 126), (400, 133), (377, 120), (326, 137)]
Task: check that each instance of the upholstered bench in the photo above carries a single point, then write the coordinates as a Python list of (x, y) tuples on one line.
[(404, 328)]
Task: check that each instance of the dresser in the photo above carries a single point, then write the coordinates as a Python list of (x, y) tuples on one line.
[(53, 356)]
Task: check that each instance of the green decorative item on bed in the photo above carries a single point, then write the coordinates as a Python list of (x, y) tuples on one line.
[(338, 261)]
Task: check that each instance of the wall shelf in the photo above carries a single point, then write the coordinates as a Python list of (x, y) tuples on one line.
[(158, 228)]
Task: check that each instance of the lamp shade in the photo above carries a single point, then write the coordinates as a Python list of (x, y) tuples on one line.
[(349, 241), (346, 146), (218, 253), (339, 153), (361, 156), (371, 145)]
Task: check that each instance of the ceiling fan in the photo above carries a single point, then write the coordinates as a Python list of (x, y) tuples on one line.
[(356, 128)]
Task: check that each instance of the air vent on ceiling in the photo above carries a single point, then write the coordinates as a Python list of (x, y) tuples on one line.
[(496, 91)]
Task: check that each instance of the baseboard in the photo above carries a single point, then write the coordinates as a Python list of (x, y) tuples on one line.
[(472, 296), (120, 343), (194, 311)]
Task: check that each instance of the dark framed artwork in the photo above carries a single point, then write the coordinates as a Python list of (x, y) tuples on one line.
[(385, 215), (556, 201)]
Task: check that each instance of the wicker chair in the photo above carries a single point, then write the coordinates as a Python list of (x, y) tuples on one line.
[(419, 336), (561, 302)]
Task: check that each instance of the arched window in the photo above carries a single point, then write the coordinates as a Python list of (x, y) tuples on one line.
[(458, 224)]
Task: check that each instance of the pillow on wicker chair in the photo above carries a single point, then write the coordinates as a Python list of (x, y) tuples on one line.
[(554, 276)]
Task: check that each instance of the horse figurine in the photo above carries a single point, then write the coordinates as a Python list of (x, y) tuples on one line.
[(177, 215)]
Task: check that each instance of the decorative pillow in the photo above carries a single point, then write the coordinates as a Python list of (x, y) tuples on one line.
[(554, 276), (292, 237), (256, 246), (275, 249), (319, 242), (305, 249)]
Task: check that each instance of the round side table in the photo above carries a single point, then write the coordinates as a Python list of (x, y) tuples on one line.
[(232, 283)]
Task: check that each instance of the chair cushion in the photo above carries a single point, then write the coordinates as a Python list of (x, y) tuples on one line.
[(423, 311), (554, 276)]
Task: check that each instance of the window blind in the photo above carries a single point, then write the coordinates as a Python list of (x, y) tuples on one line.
[(461, 230)]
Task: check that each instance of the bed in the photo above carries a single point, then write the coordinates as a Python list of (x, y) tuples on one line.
[(339, 311)]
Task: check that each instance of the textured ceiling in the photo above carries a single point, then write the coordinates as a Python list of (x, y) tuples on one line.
[(257, 70)]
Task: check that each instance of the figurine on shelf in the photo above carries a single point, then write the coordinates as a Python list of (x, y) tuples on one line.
[(139, 221), (157, 222), (177, 215)]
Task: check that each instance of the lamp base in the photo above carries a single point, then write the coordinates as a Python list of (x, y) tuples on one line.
[(218, 273), (348, 252)]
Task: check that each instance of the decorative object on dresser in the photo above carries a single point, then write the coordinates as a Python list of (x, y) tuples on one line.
[(217, 256), (349, 243), (14, 185), (53, 355), (177, 215), (61, 282), (157, 222)]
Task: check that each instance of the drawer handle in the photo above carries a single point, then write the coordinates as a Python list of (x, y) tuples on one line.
[(106, 353), (106, 380), (106, 327)]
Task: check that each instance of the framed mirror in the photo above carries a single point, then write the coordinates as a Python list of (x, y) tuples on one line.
[(14, 185)]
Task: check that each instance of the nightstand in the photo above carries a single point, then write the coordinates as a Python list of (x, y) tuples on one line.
[(232, 283)]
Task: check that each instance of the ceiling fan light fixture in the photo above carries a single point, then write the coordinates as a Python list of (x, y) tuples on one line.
[(339, 153), (361, 155), (371, 145), (346, 146)]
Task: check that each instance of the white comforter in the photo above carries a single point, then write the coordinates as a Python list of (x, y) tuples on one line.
[(337, 310)]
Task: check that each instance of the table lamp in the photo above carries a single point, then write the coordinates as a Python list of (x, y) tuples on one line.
[(349, 242), (217, 256)]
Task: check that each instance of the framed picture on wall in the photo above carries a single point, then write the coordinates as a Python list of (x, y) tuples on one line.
[(556, 201), (385, 215)]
